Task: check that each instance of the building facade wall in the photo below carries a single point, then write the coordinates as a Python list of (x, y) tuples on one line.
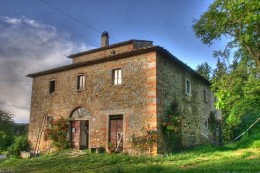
[(171, 85), (135, 98), (103, 53), (112, 51)]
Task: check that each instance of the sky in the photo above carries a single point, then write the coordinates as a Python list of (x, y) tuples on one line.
[(37, 35)]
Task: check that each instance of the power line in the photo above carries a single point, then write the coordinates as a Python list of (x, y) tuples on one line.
[(23, 81), (15, 106), (73, 18)]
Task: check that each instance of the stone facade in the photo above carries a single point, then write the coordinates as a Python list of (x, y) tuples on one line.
[(151, 78)]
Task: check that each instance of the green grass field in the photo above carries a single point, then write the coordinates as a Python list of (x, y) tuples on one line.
[(233, 158)]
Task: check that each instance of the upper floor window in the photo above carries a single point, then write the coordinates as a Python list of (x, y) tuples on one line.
[(117, 76), (204, 95), (52, 86), (188, 87), (81, 82)]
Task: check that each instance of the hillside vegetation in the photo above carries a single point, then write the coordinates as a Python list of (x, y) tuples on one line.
[(243, 156)]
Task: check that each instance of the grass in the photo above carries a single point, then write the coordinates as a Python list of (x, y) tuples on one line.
[(232, 158)]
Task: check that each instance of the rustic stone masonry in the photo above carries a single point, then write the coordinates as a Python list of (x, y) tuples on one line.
[(151, 78)]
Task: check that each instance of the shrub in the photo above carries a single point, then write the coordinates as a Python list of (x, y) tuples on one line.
[(57, 132), (145, 142), (20, 144), (172, 126)]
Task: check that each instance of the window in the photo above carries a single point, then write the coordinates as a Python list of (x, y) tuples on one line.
[(206, 124), (81, 82), (204, 95), (188, 87), (52, 86), (116, 76)]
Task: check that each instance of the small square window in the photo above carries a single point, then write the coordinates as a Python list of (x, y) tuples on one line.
[(52, 86), (188, 87), (117, 76), (81, 82)]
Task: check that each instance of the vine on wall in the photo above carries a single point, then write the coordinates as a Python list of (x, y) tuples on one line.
[(56, 131), (145, 142), (172, 126)]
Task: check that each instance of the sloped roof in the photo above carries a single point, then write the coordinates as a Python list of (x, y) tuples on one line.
[(123, 55), (106, 47)]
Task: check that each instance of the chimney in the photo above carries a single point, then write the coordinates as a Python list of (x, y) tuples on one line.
[(104, 39)]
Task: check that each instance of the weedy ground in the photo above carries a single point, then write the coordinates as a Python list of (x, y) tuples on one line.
[(240, 157)]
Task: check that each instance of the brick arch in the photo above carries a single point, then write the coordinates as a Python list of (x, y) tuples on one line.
[(80, 113)]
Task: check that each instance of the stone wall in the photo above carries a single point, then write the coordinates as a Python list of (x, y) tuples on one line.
[(171, 80), (135, 98), (103, 53), (112, 51)]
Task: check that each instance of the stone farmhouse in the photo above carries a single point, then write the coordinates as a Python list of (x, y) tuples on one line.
[(113, 92)]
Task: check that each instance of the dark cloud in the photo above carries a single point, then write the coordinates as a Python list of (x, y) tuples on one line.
[(27, 46)]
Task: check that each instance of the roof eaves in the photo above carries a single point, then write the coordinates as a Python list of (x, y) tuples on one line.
[(104, 48), (105, 59)]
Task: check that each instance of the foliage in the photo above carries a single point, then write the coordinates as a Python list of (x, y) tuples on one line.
[(145, 142), (201, 159), (111, 146), (237, 88), (247, 141), (57, 131), (239, 20), (20, 144), (6, 129), (172, 125), (204, 70), (20, 129)]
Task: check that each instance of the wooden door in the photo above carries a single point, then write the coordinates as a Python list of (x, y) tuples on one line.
[(116, 132), (84, 134), (75, 134)]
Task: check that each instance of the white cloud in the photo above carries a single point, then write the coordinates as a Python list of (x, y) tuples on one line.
[(28, 46)]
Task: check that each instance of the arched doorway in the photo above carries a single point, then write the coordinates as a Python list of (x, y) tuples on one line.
[(79, 128)]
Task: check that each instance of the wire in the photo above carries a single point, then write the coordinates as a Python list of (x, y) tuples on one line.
[(73, 18), (15, 106), (24, 81)]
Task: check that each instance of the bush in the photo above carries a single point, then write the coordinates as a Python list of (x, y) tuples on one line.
[(20, 144), (249, 141), (5, 141), (172, 127), (56, 131)]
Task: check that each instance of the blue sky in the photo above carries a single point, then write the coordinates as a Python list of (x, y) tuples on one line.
[(39, 34)]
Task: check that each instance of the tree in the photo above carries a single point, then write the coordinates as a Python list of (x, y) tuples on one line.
[(239, 20), (204, 70), (237, 88), (6, 129)]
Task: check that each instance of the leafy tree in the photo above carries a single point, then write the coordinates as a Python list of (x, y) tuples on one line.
[(204, 70), (6, 129), (237, 88), (239, 20), (236, 85)]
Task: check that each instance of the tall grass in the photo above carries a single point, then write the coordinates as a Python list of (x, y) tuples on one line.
[(242, 156)]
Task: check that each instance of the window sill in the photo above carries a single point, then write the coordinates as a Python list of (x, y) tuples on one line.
[(117, 85), (79, 90), (187, 94)]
